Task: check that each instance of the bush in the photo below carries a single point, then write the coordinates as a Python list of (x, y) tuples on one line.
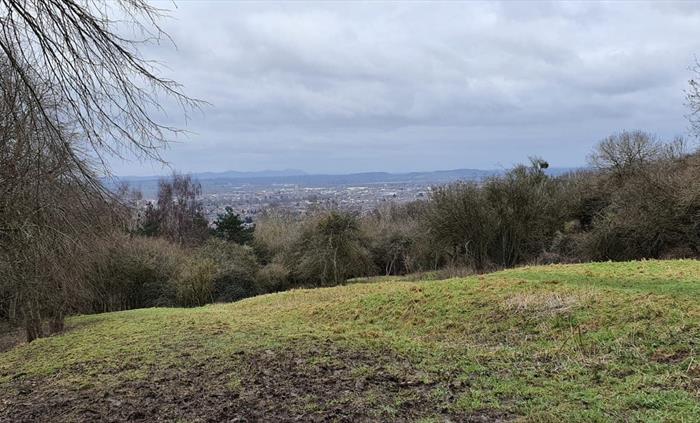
[(646, 219), (330, 250), (275, 235), (236, 268), (462, 223), (194, 285), (651, 206), (397, 238), (273, 277), (132, 272), (527, 209)]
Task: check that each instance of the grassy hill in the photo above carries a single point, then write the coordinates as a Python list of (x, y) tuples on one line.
[(594, 342)]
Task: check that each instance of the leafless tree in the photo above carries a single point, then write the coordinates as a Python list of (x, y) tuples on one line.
[(692, 97), (78, 49), (75, 90), (180, 213), (48, 207), (626, 153)]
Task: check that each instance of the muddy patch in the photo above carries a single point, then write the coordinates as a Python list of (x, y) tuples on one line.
[(10, 337), (324, 383)]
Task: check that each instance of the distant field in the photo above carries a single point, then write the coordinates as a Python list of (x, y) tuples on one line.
[(595, 342)]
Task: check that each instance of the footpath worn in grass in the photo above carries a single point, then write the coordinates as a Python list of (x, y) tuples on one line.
[(593, 342)]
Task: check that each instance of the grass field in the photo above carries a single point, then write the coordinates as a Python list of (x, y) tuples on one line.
[(594, 342)]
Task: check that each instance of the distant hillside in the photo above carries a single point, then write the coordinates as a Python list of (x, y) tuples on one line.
[(229, 174), (578, 343), (213, 181)]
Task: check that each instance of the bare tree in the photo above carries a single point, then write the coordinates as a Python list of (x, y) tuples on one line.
[(48, 209), (75, 90), (625, 151), (78, 50), (692, 97), (180, 214)]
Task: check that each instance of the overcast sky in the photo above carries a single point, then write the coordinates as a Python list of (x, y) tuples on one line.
[(348, 87)]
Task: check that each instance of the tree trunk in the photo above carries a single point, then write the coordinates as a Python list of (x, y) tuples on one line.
[(33, 328), (57, 324)]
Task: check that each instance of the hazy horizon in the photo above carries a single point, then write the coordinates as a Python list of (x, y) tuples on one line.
[(398, 87), (302, 172)]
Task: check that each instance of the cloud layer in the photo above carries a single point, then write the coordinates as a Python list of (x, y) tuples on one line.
[(341, 87)]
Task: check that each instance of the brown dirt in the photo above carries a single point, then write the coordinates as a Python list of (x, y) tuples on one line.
[(10, 337), (670, 357), (326, 383)]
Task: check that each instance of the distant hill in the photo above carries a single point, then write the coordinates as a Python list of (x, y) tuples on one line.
[(232, 174), (216, 181), (229, 174)]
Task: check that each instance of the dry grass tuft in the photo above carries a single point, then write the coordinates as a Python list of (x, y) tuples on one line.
[(542, 303)]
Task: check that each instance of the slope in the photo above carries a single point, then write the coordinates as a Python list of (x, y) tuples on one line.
[(592, 342)]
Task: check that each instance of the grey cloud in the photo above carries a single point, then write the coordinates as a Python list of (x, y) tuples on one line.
[(400, 86)]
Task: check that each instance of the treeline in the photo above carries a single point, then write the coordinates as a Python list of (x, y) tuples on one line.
[(75, 93), (640, 199)]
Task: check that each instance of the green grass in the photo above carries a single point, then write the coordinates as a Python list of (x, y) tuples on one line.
[(593, 342)]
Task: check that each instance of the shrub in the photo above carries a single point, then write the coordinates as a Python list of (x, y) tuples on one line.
[(236, 268), (276, 234), (462, 223), (330, 250), (194, 285), (527, 209), (273, 277), (132, 272), (652, 203), (395, 235)]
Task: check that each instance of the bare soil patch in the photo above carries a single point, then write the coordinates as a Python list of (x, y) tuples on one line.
[(10, 337), (324, 383)]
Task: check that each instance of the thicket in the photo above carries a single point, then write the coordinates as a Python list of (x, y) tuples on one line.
[(643, 201), (638, 199), (74, 92)]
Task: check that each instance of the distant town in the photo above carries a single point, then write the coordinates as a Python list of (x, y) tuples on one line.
[(249, 200), (296, 192)]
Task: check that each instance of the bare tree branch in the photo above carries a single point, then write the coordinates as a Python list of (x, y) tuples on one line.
[(110, 92)]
